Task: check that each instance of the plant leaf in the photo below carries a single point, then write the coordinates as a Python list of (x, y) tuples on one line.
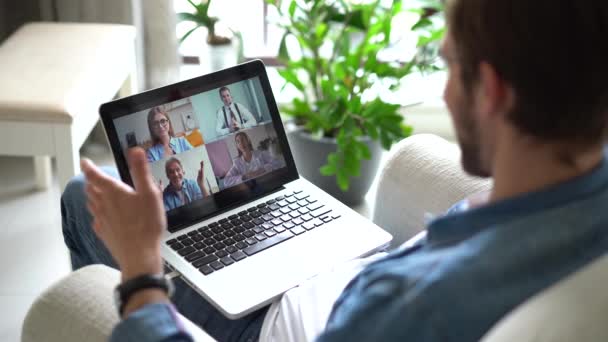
[(290, 76), (328, 170), (186, 16), (283, 52), (181, 40), (343, 182), (292, 8)]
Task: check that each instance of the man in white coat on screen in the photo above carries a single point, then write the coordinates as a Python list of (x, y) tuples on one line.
[(232, 116)]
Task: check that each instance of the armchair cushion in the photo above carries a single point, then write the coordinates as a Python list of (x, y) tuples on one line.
[(80, 307), (422, 175), (574, 309)]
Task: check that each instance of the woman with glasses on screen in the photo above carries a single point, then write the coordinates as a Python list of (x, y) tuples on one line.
[(164, 142), (249, 163)]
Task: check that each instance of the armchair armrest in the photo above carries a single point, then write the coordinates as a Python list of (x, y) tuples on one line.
[(80, 308), (422, 175), (574, 309)]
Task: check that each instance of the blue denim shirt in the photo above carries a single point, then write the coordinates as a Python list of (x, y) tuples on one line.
[(472, 269), (476, 266), (191, 190), (178, 145)]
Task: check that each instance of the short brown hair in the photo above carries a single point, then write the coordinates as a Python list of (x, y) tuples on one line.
[(223, 89), (553, 53)]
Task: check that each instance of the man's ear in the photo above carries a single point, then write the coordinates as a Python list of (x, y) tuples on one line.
[(495, 96)]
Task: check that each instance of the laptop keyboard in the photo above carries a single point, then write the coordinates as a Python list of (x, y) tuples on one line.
[(232, 239)]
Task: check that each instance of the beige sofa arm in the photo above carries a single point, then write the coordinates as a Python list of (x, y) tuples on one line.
[(80, 308), (574, 309), (422, 175)]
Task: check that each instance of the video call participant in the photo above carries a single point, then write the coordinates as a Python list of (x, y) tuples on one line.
[(164, 142), (232, 116), (180, 190), (250, 163)]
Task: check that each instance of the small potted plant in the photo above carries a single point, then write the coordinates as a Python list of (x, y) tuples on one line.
[(270, 144), (201, 18), (220, 52), (340, 121)]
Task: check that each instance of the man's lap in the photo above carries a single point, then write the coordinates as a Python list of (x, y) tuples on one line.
[(85, 249)]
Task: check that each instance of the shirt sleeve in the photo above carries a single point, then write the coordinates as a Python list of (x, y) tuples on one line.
[(383, 309), (150, 154), (185, 144), (233, 176), (249, 119), (152, 322), (167, 201), (269, 162), (196, 191)]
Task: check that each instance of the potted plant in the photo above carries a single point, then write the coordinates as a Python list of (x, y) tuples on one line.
[(341, 122), (220, 52), (270, 144), (201, 18)]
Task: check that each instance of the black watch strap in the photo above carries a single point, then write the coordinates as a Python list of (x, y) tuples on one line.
[(126, 290)]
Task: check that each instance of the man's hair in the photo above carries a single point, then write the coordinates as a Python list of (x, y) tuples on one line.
[(553, 53), (223, 89), (170, 161)]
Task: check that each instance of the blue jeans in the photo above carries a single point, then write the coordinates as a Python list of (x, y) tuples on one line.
[(86, 249)]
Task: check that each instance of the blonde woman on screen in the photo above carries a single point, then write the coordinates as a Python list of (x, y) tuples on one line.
[(164, 142), (249, 163)]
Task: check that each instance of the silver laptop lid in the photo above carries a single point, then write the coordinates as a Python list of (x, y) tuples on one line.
[(213, 142)]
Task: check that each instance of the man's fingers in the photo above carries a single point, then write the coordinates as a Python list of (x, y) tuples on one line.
[(98, 229), (93, 193), (95, 176), (140, 171), (93, 209)]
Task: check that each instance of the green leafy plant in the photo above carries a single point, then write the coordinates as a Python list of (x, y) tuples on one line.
[(336, 96), (200, 17)]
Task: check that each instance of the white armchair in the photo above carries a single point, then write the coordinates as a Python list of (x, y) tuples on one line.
[(423, 174)]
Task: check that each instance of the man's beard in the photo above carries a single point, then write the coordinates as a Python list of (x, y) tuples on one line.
[(469, 140)]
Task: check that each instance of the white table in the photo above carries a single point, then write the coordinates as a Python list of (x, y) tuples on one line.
[(55, 76)]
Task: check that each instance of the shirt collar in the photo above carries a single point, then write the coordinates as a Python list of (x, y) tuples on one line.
[(173, 142), (171, 189), (458, 226)]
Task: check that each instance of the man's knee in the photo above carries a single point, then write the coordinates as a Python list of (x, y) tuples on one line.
[(73, 199), (74, 190)]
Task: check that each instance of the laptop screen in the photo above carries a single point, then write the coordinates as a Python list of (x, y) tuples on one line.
[(217, 146)]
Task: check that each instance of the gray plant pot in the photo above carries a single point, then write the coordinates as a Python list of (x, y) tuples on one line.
[(310, 154)]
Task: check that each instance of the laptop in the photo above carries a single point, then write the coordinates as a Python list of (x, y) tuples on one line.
[(243, 226)]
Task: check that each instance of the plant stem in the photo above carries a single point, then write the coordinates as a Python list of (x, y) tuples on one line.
[(334, 53), (319, 65)]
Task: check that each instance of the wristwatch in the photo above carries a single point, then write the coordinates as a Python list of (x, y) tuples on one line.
[(125, 290)]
